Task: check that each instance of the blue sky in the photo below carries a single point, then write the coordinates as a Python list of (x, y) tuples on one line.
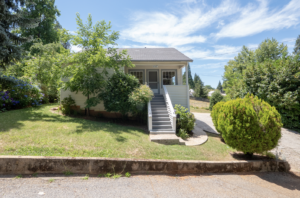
[(211, 32)]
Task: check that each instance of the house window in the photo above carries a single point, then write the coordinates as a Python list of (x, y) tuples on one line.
[(169, 77), (139, 75)]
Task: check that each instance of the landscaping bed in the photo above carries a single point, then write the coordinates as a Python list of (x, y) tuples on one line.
[(40, 132)]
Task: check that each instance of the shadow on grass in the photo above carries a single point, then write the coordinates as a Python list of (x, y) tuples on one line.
[(13, 120)]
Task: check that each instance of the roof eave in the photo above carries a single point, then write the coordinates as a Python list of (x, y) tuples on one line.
[(161, 60)]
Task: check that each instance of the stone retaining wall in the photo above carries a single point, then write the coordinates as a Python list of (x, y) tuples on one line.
[(29, 165)]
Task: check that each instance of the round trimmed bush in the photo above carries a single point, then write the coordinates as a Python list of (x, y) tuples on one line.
[(250, 125), (215, 113)]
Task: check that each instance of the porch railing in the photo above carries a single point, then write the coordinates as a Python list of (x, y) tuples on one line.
[(149, 116), (170, 108)]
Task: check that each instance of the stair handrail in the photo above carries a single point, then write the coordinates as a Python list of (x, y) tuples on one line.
[(170, 108), (149, 115)]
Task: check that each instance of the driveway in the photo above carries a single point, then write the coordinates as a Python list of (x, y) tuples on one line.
[(288, 148), (206, 185)]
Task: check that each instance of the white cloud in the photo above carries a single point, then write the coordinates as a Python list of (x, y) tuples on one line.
[(210, 65), (255, 19), (75, 48), (188, 1), (174, 30)]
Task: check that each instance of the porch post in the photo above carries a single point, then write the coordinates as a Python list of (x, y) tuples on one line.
[(187, 86)]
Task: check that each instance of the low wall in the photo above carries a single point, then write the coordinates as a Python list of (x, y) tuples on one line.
[(29, 165)]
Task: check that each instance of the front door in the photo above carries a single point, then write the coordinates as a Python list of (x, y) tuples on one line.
[(153, 80)]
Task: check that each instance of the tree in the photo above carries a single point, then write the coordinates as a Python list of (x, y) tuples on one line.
[(215, 98), (297, 46), (219, 87), (12, 16), (190, 80), (277, 82), (196, 79), (200, 90), (208, 87), (87, 70), (46, 67), (46, 31), (268, 50)]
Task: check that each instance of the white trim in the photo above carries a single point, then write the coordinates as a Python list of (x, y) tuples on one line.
[(187, 86), (170, 108)]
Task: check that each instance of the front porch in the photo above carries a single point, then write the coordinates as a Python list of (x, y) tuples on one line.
[(166, 82)]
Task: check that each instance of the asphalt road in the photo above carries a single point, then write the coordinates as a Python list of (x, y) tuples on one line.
[(207, 185)]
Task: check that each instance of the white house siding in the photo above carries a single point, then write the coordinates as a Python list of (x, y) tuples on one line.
[(178, 95), (80, 99), (160, 67)]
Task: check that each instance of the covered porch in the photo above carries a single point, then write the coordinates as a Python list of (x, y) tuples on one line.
[(164, 79)]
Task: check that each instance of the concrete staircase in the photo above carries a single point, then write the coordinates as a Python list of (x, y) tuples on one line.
[(161, 123), (162, 131)]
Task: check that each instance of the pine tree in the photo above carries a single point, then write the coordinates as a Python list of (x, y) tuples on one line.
[(200, 90), (196, 79), (297, 46), (220, 86), (12, 16), (183, 79), (47, 30), (191, 81)]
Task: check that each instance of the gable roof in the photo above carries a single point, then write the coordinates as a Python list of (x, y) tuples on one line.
[(156, 54)]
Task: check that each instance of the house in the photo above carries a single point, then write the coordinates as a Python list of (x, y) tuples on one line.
[(161, 70)]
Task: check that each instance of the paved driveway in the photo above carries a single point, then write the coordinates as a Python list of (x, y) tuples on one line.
[(288, 148), (207, 185)]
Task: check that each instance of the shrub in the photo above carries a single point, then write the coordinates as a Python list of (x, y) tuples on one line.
[(185, 122), (138, 100), (117, 91), (215, 98), (250, 125), (67, 103), (215, 113), (19, 93)]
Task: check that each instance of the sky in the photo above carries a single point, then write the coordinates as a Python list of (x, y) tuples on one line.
[(211, 32)]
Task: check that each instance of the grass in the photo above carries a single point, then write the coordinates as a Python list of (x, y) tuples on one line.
[(39, 132), (197, 106)]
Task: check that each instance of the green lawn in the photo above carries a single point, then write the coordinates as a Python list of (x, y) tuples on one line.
[(39, 132)]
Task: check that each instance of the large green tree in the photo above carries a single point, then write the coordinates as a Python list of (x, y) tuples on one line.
[(190, 78), (88, 70), (297, 46), (45, 67), (200, 90), (13, 16), (234, 85), (47, 30)]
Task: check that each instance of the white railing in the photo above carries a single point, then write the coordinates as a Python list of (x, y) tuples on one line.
[(149, 116), (170, 108)]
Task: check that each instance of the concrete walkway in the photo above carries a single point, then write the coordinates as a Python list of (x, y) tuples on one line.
[(288, 148), (207, 185)]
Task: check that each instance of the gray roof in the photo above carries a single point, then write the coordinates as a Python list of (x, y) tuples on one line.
[(156, 54)]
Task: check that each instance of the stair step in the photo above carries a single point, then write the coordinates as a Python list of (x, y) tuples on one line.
[(160, 115), (159, 107), (156, 103), (160, 119), (161, 123), (161, 126)]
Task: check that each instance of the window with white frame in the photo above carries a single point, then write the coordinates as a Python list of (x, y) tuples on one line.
[(139, 75), (169, 77)]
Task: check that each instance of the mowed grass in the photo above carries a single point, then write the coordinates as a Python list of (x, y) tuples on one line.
[(198, 106), (39, 132)]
